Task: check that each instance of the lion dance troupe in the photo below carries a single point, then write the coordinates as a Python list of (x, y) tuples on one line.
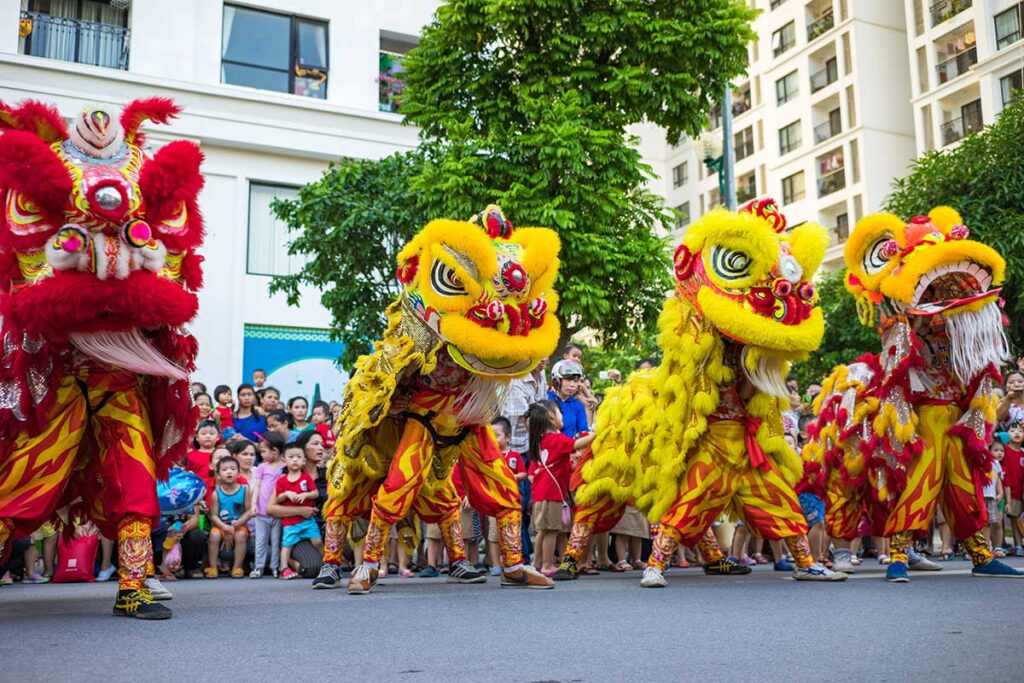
[(99, 278)]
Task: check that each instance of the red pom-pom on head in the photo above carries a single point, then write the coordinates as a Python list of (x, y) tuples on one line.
[(684, 261), (959, 232), (407, 271)]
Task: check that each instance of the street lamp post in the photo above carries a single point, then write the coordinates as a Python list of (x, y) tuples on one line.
[(719, 156)]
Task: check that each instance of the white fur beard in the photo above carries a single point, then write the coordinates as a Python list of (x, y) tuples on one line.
[(126, 351), (481, 400), (767, 374), (977, 339)]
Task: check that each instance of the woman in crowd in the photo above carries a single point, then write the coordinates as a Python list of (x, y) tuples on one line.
[(249, 424)]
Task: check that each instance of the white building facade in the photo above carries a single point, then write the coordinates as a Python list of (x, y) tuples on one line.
[(273, 90)]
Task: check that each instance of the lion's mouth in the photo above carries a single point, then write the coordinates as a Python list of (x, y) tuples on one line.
[(950, 286)]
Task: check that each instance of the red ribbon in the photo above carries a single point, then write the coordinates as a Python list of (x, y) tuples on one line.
[(754, 451)]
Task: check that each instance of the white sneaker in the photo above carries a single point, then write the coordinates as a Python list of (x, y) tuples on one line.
[(157, 589), (106, 574), (653, 578), (923, 564), (817, 572), (844, 564)]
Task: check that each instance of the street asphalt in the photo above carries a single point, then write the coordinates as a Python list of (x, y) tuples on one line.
[(945, 626)]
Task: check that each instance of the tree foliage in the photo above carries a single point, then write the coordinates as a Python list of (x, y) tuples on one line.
[(351, 223), (845, 338), (526, 103), (983, 179)]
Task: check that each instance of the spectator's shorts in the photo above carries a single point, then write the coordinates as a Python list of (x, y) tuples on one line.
[(993, 513), (1013, 508), (293, 533), (492, 530), (632, 523), (813, 508), (547, 516), (434, 532)]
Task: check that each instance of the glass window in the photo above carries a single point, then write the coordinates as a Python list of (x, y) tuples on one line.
[(268, 237), (1008, 26), (744, 143), (683, 215), (793, 188), (784, 38), (680, 175), (82, 31), (274, 52), (1010, 84), (786, 88), (789, 138)]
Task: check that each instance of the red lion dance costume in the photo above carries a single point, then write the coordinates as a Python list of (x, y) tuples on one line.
[(99, 273)]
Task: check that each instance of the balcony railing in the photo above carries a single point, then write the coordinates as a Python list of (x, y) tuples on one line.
[(741, 104), (73, 40), (745, 192), (824, 78), (826, 130), (947, 9), (955, 130), (819, 26), (957, 65), (832, 182)]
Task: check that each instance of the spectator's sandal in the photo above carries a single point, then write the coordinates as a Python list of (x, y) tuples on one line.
[(237, 573), (211, 573), (289, 574)]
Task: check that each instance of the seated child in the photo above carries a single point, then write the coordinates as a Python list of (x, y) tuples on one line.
[(230, 509)]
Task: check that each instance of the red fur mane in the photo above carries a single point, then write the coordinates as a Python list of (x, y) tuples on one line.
[(155, 109), (42, 119)]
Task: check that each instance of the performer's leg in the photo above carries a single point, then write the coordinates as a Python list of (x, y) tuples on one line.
[(444, 508), (592, 518), (134, 558), (6, 528), (710, 550)]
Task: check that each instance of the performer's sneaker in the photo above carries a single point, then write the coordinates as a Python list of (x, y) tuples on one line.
[(897, 573), (362, 580), (139, 604), (328, 577), (463, 571), (567, 571), (843, 562), (653, 578), (525, 577), (997, 569), (727, 566), (157, 589), (923, 564), (817, 572)]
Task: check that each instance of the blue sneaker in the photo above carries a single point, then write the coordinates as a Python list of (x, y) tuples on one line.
[(783, 566), (997, 569), (897, 573), (428, 572)]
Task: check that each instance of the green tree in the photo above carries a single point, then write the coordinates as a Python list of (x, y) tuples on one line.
[(527, 103), (983, 179), (350, 224), (845, 338)]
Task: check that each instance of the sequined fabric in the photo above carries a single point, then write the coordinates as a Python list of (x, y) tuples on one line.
[(662, 547), (134, 552)]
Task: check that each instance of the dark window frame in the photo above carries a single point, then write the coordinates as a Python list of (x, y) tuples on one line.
[(1007, 93), (781, 32), (1002, 43), (790, 146), (790, 94), (789, 191)]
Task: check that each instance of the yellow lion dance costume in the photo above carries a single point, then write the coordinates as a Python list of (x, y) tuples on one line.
[(476, 310), (703, 431), (903, 431)]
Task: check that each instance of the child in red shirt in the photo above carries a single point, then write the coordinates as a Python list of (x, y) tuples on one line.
[(296, 489), (1013, 483), (550, 458), (502, 427), (321, 418), (198, 460), (225, 408)]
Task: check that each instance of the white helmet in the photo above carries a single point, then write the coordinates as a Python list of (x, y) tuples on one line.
[(567, 369)]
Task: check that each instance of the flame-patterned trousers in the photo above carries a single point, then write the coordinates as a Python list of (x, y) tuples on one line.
[(940, 475)]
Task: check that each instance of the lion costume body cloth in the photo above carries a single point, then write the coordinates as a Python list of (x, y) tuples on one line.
[(99, 273), (904, 430), (703, 431), (477, 309)]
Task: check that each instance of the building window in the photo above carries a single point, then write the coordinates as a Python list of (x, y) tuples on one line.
[(944, 10), (831, 173), (267, 251), (842, 227), (683, 215), (1008, 25), (793, 188), (744, 143), (825, 77), (1010, 84), (784, 39), (680, 175), (746, 188), (776, 3), (80, 31), (391, 78), (789, 138), (272, 51), (787, 87)]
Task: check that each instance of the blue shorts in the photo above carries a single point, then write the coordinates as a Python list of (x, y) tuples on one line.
[(293, 533), (813, 508)]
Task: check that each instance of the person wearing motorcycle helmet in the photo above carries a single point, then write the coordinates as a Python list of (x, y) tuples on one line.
[(566, 376)]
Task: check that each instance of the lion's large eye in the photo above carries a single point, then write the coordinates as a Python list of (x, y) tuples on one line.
[(444, 280), (874, 261), (730, 264)]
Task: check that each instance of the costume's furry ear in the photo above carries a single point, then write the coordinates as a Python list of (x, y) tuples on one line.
[(155, 109), (29, 166), (171, 177), (945, 217), (35, 117)]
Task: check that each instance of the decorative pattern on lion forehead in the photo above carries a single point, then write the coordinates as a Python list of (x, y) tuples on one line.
[(485, 289)]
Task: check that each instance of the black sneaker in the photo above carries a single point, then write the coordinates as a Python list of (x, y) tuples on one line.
[(567, 571), (726, 566), (464, 572), (139, 604), (328, 577)]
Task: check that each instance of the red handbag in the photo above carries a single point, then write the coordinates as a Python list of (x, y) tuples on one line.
[(75, 560)]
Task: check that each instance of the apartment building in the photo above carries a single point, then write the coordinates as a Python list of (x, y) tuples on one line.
[(967, 59), (822, 121), (274, 91)]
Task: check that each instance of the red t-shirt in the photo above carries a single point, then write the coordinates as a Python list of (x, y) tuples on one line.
[(555, 449), (326, 434), (227, 418), (515, 462), (198, 462), (1013, 471), (304, 484)]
